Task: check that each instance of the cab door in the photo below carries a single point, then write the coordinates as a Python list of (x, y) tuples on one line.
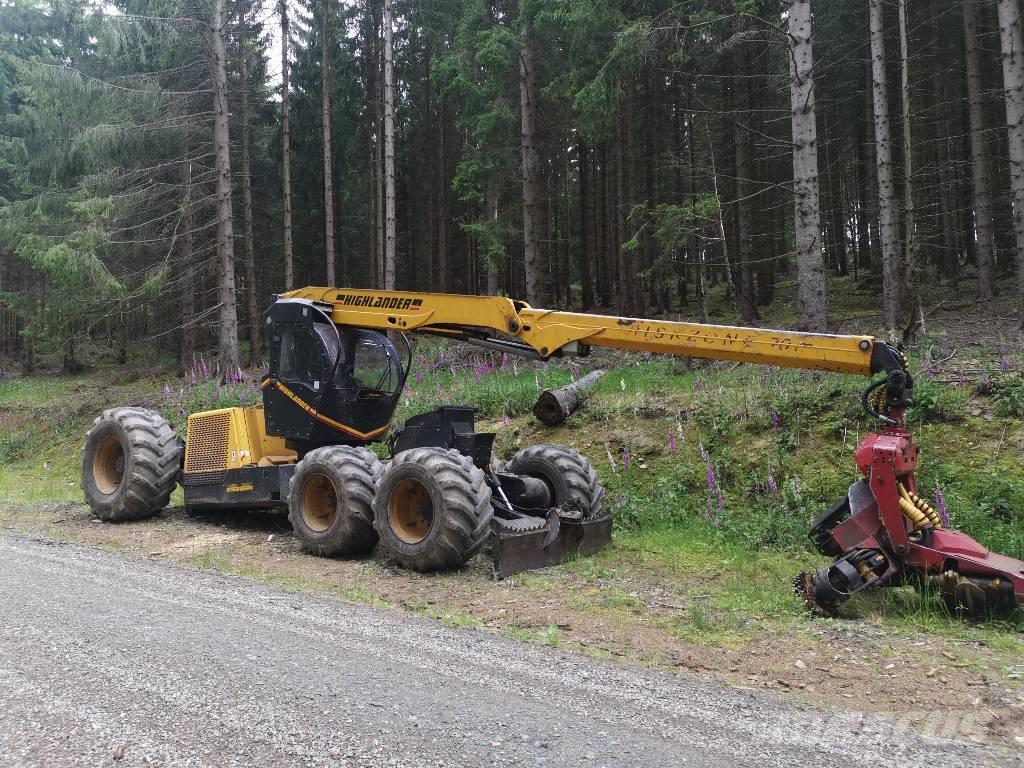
[(300, 368)]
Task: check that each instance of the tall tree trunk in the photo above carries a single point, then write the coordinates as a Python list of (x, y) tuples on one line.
[(623, 259), (286, 160), (491, 213), (720, 222), (188, 280), (604, 272), (910, 240), (744, 188), (378, 189), (871, 179), (373, 203), (586, 279), (1012, 41), (531, 170), (250, 257), (325, 112), (389, 149), (228, 316), (887, 214), (985, 248), (442, 198), (863, 196), (945, 156), (810, 266)]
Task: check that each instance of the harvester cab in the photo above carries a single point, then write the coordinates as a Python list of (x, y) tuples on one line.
[(328, 384), (335, 379)]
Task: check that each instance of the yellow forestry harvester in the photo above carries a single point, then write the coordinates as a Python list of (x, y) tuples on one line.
[(335, 379)]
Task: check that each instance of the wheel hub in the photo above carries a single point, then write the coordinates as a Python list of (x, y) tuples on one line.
[(108, 465), (411, 511), (319, 503)]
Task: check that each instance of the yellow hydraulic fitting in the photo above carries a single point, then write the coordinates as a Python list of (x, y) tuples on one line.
[(919, 511)]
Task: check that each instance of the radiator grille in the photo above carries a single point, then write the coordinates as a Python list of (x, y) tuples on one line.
[(206, 449)]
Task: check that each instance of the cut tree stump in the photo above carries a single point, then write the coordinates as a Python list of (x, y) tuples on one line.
[(554, 405)]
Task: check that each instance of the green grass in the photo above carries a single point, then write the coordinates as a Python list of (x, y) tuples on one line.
[(779, 445)]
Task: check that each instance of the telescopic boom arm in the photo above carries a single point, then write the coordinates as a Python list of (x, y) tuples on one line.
[(512, 326)]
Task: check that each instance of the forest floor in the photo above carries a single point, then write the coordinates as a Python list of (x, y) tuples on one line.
[(676, 589)]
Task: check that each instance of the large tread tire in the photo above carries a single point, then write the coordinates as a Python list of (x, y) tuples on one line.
[(348, 476), (567, 473), (130, 464), (459, 501)]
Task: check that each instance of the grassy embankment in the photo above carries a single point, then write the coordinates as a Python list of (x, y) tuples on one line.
[(712, 472)]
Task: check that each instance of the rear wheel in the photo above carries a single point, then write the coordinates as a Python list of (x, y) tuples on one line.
[(130, 464), (567, 473), (329, 500), (432, 509)]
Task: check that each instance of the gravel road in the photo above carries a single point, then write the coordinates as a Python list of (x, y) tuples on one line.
[(101, 654)]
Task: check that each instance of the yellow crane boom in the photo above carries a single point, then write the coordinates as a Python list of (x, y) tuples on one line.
[(505, 324)]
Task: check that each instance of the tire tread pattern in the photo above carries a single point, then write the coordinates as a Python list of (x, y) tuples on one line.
[(358, 470), (465, 520), (577, 473), (155, 465)]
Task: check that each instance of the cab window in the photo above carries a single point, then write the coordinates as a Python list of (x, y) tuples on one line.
[(300, 357)]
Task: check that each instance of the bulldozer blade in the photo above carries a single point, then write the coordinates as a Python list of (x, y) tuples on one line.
[(520, 548)]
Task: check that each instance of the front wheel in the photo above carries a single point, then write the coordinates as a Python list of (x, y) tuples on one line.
[(130, 464), (329, 501), (432, 509)]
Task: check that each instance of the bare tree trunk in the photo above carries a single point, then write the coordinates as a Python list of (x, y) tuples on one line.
[(621, 204), (286, 160), (370, 72), (744, 187), (325, 112), (371, 213), (908, 154), (389, 150), (871, 180), (810, 266), (946, 157), (979, 161), (887, 214), (442, 198), (531, 171), (586, 279), (188, 282), (554, 406), (491, 213), (250, 257), (378, 187), (1013, 84), (604, 274), (228, 316)]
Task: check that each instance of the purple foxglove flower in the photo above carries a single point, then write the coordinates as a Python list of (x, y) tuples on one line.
[(940, 505)]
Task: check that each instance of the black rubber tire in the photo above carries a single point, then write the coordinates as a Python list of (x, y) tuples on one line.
[(146, 463), (567, 472), (460, 502), (353, 474)]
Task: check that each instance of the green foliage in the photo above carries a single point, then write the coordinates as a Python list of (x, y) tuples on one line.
[(1008, 393), (497, 386)]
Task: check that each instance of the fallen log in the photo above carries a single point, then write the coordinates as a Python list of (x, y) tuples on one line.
[(554, 405)]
